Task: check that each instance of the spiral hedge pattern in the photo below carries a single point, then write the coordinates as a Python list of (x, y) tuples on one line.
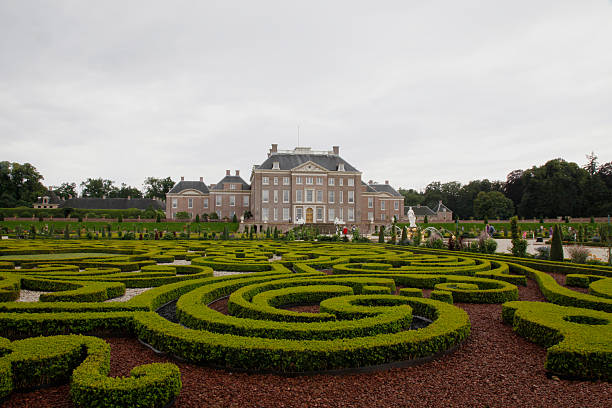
[(368, 297)]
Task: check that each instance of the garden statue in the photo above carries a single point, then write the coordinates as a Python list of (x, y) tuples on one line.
[(411, 218)]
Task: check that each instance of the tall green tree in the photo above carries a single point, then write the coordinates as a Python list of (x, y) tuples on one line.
[(493, 205), (125, 191), (66, 190), (97, 188), (20, 184), (157, 187)]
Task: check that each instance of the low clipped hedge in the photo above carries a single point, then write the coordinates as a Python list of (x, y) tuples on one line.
[(577, 340), (84, 361)]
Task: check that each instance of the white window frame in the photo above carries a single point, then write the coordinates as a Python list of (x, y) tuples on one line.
[(175, 203), (265, 180), (331, 196), (299, 196), (265, 196), (331, 181), (350, 197), (351, 214), (232, 201), (319, 195), (382, 205), (319, 181), (206, 203), (299, 213), (350, 182), (218, 201), (285, 196), (320, 214), (275, 196), (285, 213), (309, 180), (245, 201), (340, 181), (308, 193), (190, 202), (331, 214), (341, 198), (275, 214), (370, 216), (232, 186), (396, 205), (298, 180), (370, 202), (265, 214), (285, 181), (276, 181)]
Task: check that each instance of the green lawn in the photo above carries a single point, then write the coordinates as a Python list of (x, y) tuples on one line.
[(74, 255)]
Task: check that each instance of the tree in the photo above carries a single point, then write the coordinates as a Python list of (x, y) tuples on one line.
[(591, 165), (97, 188), (556, 246), (411, 197), (234, 218), (157, 187), (124, 192), (381, 235), (493, 204), (20, 184), (66, 190)]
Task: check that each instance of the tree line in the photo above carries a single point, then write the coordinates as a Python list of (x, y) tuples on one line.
[(21, 185), (557, 188)]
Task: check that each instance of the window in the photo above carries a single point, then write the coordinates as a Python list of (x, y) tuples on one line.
[(174, 203), (285, 196), (265, 196), (331, 214), (245, 201), (351, 197), (206, 203), (341, 197), (298, 180), (340, 181), (265, 180), (285, 214), (276, 165), (341, 214), (309, 180), (371, 216), (232, 186), (275, 214), (285, 181), (319, 213), (309, 196), (219, 214), (350, 182), (218, 201), (232, 214), (298, 195), (351, 214), (319, 196), (232, 200), (370, 202), (396, 205), (341, 167), (190, 203), (382, 217), (276, 181), (382, 204), (331, 197), (331, 181), (299, 212), (276, 196), (264, 214), (320, 181)]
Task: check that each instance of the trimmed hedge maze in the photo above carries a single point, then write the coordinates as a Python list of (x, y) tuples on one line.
[(367, 298)]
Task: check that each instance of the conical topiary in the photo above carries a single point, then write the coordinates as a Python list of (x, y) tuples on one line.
[(556, 246)]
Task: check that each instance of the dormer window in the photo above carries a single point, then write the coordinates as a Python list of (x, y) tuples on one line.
[(276, 165), (341, 167)]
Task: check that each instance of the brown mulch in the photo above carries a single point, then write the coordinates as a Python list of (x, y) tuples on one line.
[(560, 278), (493, 368)]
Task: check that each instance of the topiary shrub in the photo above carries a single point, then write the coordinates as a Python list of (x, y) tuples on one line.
[(556, 247)]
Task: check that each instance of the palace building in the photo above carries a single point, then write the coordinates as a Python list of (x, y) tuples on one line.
[(292, 187)]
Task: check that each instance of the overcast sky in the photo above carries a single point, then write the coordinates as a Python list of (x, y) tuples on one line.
[(411, 91)]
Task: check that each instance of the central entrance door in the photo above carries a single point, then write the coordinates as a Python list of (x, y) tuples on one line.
[(309, 215)]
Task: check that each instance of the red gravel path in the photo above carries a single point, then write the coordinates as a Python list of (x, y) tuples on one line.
[(493, 368)]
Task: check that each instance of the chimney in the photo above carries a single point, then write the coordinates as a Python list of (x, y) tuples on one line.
[(201, 179), (336, 150), (238, 172), (386, 181), (274, 148), (227, 172), (182, 178)]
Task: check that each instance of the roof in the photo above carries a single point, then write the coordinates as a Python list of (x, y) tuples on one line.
[(288, 161), (441, 207), (189, 185), (53, 198), (385, 188), (368, 188), (419, 210), (112, 203), (231, 180)]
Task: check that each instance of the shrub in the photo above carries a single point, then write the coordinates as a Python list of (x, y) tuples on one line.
[(543, 252), (578, 254), (519, 247), (556, 246)]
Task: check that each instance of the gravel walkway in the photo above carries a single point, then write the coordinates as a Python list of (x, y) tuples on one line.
[(29, 295), (129, 293)]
